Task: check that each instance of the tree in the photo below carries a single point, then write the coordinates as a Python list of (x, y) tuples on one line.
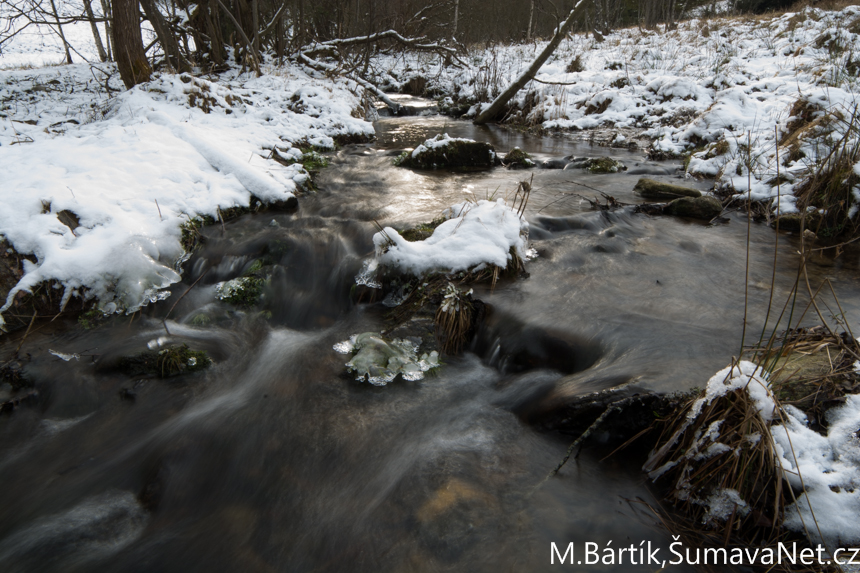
[(128, 43), (495, 108)]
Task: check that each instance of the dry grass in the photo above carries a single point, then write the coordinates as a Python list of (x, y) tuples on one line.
[(694, 473), (453, 320), (829, 186)]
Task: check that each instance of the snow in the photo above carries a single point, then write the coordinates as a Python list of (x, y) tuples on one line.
[(136, 166), (475, 235), (441, 140), (827, 470), (723, 503), (743, 375), (728, 79)]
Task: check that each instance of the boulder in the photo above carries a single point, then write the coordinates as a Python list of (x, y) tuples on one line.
[(595, 164), (554, 164), (651, 189), (695, 207), (516, 158), (444, 151), (792, 222)]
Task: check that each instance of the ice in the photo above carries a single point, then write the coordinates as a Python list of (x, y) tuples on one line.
[(379, 360), (64, 357)]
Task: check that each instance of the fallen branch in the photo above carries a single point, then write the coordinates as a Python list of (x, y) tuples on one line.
[(328, 68)]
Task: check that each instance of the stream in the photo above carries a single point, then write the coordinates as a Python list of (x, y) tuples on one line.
[(275, 460)]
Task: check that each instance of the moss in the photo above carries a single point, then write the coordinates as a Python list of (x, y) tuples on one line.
[(422, 231), (516, 158), (201, 319), (167, 362), (606, 165), (191, 235), (242, 291), (255, 267), (91, 318), (705, 208), (596, 164), (651, 189), (312, 161), (398, 161)]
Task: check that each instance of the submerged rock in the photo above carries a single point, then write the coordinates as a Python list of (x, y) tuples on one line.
[(380, 360), (516, 158), (167, 362), (554, 164), (444, 151), (695, 207), (792, 222), (651, 189), (595, 164)]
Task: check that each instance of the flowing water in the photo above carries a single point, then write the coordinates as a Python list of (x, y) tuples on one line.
[(275, 460)]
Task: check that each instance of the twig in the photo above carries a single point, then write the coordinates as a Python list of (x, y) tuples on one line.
[(20, 344), (614, 407), (183, 295)]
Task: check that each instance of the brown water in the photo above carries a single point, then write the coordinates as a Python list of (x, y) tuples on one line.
[(274, 460)]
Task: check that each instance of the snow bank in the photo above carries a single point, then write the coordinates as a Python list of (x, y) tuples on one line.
[(827, 469), (135, 167), (474, 236)]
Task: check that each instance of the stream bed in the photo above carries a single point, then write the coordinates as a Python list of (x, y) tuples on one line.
[(275, 459)]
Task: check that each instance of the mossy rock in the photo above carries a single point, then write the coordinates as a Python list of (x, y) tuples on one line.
[(91, 318), (455, 153), (422, 231), (695, 207), (651, 189), (516, 158), (166, 362), (596, 164), (792, 222), (243, 291)]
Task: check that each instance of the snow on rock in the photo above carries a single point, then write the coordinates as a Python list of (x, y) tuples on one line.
[(134, 167), (827, 469), (474, 236)]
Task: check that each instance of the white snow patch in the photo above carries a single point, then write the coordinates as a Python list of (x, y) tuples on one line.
[(475, 235)]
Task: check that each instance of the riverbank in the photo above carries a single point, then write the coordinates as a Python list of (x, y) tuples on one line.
[(755, 102), (101, 186)]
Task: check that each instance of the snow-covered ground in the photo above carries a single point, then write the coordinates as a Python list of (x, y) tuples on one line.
[(133, 166), (731, 80)]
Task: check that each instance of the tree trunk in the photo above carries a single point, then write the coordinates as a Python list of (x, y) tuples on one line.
[(128, 43), (496, 107), (165, 37), (255, 22), (456, 16), (106, 10), (531, 19), (60, 31), (95, 27)]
